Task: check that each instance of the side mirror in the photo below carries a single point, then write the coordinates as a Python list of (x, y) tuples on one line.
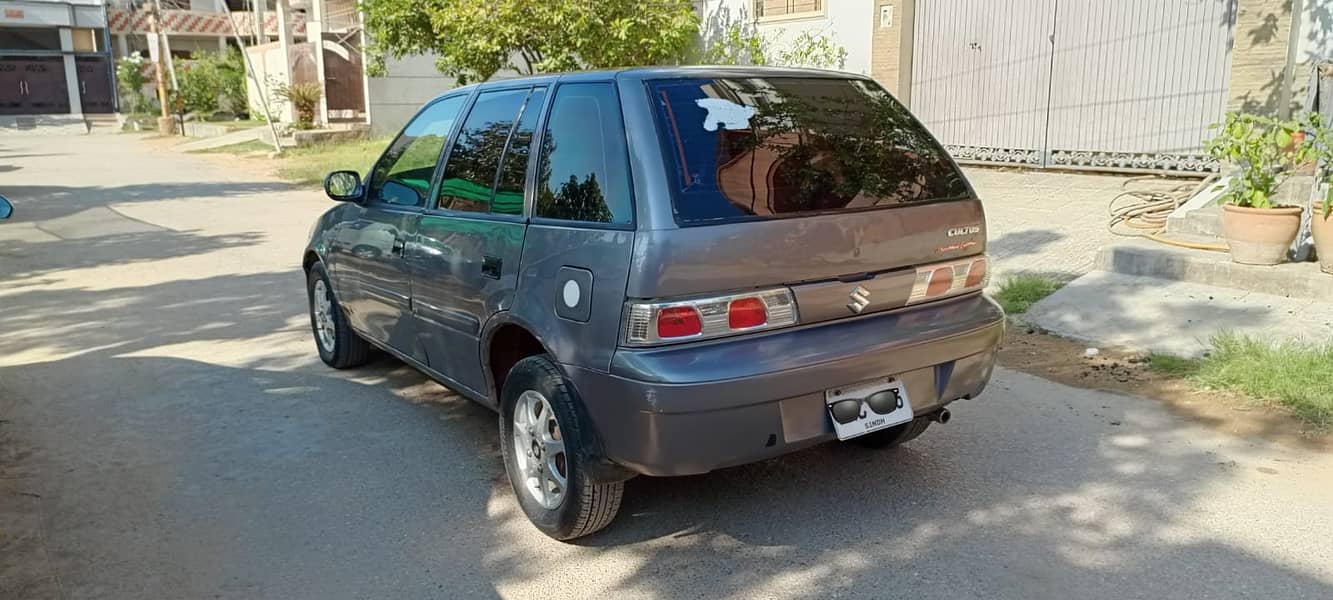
[(343, 186), (6, 208)]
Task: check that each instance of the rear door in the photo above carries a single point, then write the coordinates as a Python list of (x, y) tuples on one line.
[(576, 258), (465, 255), (367, 250), (823, 184)]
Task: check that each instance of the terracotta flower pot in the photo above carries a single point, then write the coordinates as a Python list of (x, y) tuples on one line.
[(1323, 237), (1260, 236)]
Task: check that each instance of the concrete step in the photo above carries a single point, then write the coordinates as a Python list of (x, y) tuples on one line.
[(1150, 259), (1176, 317)]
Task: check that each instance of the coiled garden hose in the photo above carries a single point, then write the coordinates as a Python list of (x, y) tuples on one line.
[(1144, 212)]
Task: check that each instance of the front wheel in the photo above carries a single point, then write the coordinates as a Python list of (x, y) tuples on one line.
[(542, 437), (339, 347)]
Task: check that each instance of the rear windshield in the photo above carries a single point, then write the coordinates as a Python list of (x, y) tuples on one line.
[(774, 147)]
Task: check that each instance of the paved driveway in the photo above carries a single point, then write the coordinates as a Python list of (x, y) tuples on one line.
[(167, 432)]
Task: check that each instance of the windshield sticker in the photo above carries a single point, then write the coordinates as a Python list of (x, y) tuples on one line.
[(726, 113)]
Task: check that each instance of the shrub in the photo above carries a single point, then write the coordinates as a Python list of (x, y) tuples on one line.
[(231, 74), (305, 99), (200, 84), (130, 78)]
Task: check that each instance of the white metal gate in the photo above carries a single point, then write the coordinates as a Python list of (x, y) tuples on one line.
[(1130, 84)]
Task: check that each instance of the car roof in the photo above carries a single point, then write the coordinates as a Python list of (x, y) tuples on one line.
[(665, 72)]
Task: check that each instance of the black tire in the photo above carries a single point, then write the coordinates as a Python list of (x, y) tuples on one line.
[(583, 507), (894, 436), (348, 350)]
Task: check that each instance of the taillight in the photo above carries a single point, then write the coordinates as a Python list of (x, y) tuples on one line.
[(745, 313), (679, 321), (976, 277), (648, 323), (949, 279)]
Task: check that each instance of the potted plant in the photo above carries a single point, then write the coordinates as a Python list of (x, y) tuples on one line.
[(1265, 150), (1320, 142)]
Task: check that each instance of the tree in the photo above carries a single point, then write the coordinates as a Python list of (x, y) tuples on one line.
[(738, 43), (474, 40)]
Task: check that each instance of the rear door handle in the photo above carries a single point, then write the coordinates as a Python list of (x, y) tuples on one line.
[(397, 247), (491, 266)]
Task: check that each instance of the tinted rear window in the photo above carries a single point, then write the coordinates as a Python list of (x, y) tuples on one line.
[(775, 147)]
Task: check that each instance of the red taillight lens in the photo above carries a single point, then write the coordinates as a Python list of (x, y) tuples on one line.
[(941, 280), (744, 313), (678, 321), (976, 276)]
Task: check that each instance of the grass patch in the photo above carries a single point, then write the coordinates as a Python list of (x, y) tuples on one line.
[(1173, 366), (311, 163), (1019, 292), (1297, 375)]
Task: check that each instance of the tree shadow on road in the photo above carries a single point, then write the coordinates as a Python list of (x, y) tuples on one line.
[(42, 202)]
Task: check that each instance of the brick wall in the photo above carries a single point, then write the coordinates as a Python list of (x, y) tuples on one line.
[(891, 47), (1259, 82)]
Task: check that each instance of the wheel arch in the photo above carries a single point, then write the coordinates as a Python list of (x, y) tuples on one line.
[(309, 259), (505, 341)]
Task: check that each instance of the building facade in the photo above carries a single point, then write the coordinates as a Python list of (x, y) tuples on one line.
[(55, 64)]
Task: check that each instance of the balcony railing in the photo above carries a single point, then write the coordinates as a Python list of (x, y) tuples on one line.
[(191, 22)]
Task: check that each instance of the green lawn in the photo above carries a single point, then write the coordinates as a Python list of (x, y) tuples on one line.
[(1019, 292), (1298, 375), (309, 164)]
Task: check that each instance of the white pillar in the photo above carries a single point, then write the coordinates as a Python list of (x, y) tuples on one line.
[(285, 45), (71, 72), (314, 33), (222, 45), (365, 77), (123, 42)]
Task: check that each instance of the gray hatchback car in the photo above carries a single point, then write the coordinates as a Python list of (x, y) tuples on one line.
[(663, 271)]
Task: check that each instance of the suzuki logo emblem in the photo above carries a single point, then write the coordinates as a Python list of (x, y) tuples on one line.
[(860, 299)]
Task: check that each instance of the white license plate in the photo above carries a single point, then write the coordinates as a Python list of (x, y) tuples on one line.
[(867, 419)]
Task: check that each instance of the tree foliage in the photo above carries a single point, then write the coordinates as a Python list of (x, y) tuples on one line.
[(738, 43), (474, 40), (209, 77)]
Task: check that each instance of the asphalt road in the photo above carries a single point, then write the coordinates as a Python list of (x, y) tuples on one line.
[(167, 431)]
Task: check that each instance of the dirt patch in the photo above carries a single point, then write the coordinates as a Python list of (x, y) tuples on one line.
[(1051, 357)]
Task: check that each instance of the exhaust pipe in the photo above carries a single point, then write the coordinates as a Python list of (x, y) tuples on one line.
[(941, 416)]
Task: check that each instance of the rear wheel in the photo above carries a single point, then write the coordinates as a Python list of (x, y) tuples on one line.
[(894, 436), (542, 435), (339, 346)]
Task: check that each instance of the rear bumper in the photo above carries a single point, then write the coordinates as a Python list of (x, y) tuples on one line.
[(690, 409)]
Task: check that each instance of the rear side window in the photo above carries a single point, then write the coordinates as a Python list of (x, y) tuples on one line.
[(762, 148), (584, 169), (514, 166), (469, 176)]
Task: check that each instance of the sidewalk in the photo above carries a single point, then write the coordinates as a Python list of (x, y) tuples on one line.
[(1048, 222), (1054, 223)]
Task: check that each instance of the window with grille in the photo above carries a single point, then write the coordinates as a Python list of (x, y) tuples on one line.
[(783, 9)]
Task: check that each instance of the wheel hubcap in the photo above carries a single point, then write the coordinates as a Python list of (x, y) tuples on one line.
[(539, 450), (322, 307)]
